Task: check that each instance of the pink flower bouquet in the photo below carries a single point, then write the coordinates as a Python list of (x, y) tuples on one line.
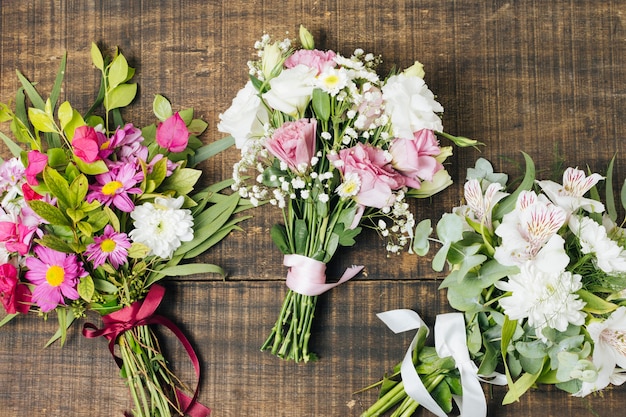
[(97, 211), (335, 147), (538, 273)]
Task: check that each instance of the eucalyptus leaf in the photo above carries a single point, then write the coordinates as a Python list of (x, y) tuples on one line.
[(450, 228), (421, 242)]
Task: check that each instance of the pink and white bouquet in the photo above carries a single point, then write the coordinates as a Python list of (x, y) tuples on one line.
[(335, 147), (539, 277), (96, 211)]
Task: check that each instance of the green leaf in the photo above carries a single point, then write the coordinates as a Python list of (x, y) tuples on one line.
[(105, 286), (58, 81), (138, 250), (49, 213), (197, 127), (192, 269), (321, 104), (523, 384), (86, 288), (65, 113), (212, 149), (421, 243), (56, 243), (161, 107), (595, 304), (8, 318), (610, 198), (439, 260), (78, 190), (120, 96), (14, 148), (450, 228), (118, 71), (301, 237), (623, 195), (182, 181), (66, 318), (85, 228), (113, 219), (508, 203), (58, 186), (90, 168), (31, 92), (278, 232), (41, 120), (96, 57), (186, 115)]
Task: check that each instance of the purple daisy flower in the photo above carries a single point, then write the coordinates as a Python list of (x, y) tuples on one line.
[(114, 187), (111, 246), (55, 275)]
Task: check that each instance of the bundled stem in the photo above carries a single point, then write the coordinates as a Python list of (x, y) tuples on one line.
[(152, 385), (289, 338)]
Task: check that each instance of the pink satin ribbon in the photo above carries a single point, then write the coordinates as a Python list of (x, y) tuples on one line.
[(307, 276), (142, 313)]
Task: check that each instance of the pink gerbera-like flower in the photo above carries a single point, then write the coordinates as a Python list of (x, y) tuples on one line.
[(111, 246), (55, 275), (114, 187)]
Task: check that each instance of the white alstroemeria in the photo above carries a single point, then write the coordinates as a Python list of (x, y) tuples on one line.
[(610, 257), (162, 226), (547, 299), (245, 118), (529, 232), (411, 105), (609, 352), (481, 205), (291, 91), (570, 195)]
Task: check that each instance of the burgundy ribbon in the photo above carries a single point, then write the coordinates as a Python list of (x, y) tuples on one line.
[(142, 313)]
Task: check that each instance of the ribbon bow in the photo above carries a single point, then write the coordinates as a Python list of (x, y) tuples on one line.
[(142, 313), (307, 276), (450, 340)]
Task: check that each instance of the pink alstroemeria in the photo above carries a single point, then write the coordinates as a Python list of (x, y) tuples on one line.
[(294, 144), (111, 246), (114, 187), (16, 237), (37, 161), (90, 145), (55, 275), (15, 296), (173, 134)]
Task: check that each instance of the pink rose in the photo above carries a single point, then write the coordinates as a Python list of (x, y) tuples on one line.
[(294, 143), (15, 296), (415, 158), (173, 134), (312, 58), (377, 178), (37, 161)]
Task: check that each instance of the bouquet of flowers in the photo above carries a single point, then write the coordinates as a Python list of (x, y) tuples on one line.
[(334, 146), (97, 211), (540, 278)]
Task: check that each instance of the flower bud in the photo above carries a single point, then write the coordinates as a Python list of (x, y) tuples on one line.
[(306, 39), (415, 70), (272, 62)]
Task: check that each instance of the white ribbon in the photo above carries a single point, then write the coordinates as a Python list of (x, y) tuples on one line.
[(450, 340)]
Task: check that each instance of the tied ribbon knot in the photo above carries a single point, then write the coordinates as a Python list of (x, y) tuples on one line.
[(450, 340), (307, 276), (141, 313)]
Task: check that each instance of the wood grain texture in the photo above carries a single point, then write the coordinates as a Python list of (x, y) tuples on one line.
[(546, 78)]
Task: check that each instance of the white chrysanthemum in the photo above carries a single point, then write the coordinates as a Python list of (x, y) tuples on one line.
[(547, 299), (162, 226), (350, 186), (332, 80), (610, 257)]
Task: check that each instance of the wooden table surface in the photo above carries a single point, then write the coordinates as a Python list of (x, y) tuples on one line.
[(546, 78)]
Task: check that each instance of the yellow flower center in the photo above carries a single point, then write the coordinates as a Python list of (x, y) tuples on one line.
[(107, 245), (331, 80), (105, 145), (351, 188), (55, 275), (111, 187)]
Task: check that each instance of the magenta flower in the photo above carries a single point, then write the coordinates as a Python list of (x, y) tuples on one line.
[(55, 275), (37, 161), (173, 134), (16, 237), (114, 187), (415, 158), (15, 296), (294, 143), (126, 136), (90, 145), (320, 60), (368, 176), (111, 246)]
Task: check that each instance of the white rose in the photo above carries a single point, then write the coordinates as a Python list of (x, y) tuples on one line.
[(291, 91), (245, 117), (411, 105)]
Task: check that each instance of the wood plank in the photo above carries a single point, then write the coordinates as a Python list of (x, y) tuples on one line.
[(541, 77)]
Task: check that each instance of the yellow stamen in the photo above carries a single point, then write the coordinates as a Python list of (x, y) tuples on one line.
[(111, 187), (55, 275), (107, 245)]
